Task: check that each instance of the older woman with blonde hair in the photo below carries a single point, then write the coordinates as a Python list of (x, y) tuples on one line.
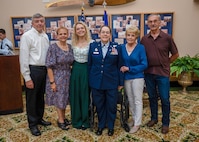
[(135, 62), (79, 90)]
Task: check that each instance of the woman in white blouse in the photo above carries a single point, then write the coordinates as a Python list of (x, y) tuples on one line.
[(79, 89)]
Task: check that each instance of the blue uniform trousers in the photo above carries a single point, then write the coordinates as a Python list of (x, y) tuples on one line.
[(106, 106)]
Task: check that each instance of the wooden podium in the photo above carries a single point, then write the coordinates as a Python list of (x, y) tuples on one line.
[(10, 85)]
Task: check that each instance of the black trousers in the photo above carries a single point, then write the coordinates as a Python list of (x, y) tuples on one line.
[(35, 97)]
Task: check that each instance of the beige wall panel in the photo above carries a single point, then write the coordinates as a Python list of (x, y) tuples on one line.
[(185, 26)]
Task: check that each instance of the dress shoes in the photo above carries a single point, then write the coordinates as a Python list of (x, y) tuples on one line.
[(35, 131), (151, 123), (110, 132), (165, 129), (44, 123), (66, 121), (63, 126), (78, 127), (83, 127), (99, 131)]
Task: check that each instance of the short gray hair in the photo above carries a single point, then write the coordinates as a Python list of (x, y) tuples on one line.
[(37, 15), (155, 14)]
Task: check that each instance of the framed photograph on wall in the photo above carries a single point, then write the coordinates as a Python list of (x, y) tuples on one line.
[(19, 26), (120, 23), (22, 24), (166, 23), (52, 23), (94, 22)]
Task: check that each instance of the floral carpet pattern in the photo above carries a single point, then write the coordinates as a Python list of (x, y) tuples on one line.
[(184, 126)]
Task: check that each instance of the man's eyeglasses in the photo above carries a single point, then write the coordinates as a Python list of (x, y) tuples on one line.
[(154, 21)]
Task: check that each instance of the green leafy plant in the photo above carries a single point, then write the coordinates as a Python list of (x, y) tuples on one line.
[(185, 64)]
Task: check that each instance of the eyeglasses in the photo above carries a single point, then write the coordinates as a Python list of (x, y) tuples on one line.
[(154, 21)]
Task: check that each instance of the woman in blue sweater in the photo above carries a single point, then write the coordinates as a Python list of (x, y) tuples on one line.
[(135, 62)]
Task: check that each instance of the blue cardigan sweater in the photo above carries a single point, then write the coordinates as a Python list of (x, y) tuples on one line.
[(136, 61)]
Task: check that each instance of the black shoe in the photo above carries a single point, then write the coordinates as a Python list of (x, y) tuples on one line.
[(44, 123), (63, 126), (110, 132), (99, 131), (78, 127), (35, 131), (67, 122), (83, 128)]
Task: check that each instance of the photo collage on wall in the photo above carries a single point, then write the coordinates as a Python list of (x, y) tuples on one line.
[(20, 26), (120, 23), (117, 22), (94, 23), (166, 23), (52, 23)]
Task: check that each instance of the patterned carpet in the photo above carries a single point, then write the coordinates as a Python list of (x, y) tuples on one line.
[(184, 125)]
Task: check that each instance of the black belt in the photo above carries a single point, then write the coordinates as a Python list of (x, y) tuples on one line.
[(38, 67)]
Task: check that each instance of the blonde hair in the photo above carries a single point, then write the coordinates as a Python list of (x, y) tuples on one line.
[(75, 37), (133, 29)]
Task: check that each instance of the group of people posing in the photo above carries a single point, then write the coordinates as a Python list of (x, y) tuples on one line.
[(69, 72)]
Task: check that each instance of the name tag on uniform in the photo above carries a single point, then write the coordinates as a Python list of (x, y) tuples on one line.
[(95, 52)]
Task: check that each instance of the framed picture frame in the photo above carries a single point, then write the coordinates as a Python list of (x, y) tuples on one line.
[(166, 22), (94, 22), (22, 24), (19, 26), (119, 24), (52, 23)]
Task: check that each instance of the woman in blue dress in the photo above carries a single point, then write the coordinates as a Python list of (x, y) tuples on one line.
[(58, 62)]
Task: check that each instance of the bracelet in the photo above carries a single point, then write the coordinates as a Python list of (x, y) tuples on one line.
[(52, 82)]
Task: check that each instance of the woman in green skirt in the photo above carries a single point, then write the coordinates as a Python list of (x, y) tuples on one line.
[(79, 90)]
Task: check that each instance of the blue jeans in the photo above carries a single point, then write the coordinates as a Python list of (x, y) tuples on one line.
[(158, 85)]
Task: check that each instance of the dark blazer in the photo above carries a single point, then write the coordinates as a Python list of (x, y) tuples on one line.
[(104, 73)]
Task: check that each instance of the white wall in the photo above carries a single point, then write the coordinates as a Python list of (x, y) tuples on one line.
[(186, 16)]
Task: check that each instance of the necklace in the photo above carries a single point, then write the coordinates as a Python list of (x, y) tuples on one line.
[(64, 46), (82, 44)]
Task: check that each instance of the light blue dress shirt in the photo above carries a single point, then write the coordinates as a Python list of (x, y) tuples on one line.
[(104, 48), (6, 47)]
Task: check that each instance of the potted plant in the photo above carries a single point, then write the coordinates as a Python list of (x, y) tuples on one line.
[(184, 68)]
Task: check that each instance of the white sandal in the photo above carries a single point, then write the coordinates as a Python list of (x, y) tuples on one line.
[(134, 129)]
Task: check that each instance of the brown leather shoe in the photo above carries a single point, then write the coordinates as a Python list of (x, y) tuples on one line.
[(151, 123), (165, 129)]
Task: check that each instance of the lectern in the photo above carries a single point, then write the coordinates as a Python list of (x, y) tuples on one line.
[(10, 85)]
